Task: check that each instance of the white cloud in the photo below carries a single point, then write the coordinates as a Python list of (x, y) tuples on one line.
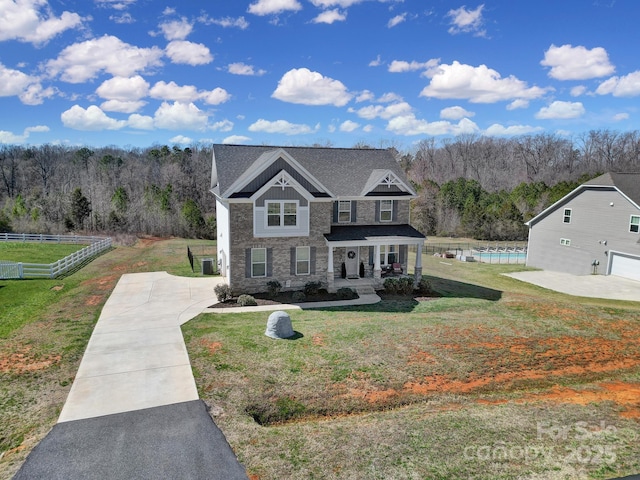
[(385, 112), (330, 16), (476, 84), (398, 66), (188, 93), (376, 63), (577, 63), (240, 68), (389, 97), (397, 20), (335, 3), (455, 113), (12, 138), (115, 4), (518, 103), (466, 21), (26, 87), (410, 125), (500, 130), (225, 22), (122, 19), (365, 96), (216, 96), (124, 88), (236, 140), (349, 126), (90, 119), (305, 87), (80, 62), (367, 128), (122, 106), (180, 116), (140, 122), (620, 116), (176, 29), (188, 53), (627, 86), (222, 126), (280, 126), (181, 140), (561, 110), (273, 7), (32, 21), (578, 91)]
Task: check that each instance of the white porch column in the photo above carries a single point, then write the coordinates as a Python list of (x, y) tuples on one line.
[(376, 262), (418, 267), (330, 274)]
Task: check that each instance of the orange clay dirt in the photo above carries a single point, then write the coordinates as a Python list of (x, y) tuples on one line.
[(22, 360), (516, 364)]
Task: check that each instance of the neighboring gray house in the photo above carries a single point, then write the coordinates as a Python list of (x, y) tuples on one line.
[(296, 214), (593, 229)]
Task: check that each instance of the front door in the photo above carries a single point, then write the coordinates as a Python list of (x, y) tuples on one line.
[(351, 263)]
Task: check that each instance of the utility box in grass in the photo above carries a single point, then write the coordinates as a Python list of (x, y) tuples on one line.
[(207, 266)]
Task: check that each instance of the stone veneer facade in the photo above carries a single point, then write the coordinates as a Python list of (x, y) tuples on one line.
[(320, 218)]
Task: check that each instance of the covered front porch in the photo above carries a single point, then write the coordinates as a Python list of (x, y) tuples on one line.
[(369, 254)]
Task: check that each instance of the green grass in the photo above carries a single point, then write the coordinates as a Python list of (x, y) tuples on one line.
[(44, 329), (399, 389), (36, 252)]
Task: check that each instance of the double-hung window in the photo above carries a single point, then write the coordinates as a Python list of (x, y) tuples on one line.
[(388, 254), (344, 211), (634, 224), (386, 210), (258, 262), (303, 259), (282, 214), (566, 215)]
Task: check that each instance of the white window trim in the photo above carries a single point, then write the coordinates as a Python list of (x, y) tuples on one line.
[(282, 226), (348, 211), (307, 261), (565, 242), (565, 216), (385, 251), (390, 210), (631, 224), (259, 263)]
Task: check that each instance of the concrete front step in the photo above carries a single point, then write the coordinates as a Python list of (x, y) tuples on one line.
[(365, 290)]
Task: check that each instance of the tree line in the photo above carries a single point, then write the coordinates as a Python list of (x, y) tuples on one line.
[(470, 185), (156, 191)]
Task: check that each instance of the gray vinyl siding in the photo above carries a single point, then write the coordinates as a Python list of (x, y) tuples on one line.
[(593, 221), (277, 193), (271, 171)]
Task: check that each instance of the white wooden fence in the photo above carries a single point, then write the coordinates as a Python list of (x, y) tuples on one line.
[(11, 270)]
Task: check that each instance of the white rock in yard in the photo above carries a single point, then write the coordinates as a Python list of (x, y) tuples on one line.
[(279, 325)]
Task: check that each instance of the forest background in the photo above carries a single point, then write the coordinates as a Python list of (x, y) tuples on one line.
[(469, 186)]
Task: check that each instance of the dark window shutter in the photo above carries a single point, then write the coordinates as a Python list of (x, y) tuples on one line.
[(293, 261), (353, 210), (269, 262), (335, 212), (372, 251), (312, 261), (395, 210), (403, 253), (247, 263), (377, 219)]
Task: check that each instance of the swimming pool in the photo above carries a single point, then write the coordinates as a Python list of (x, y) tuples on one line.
[(500, 257)]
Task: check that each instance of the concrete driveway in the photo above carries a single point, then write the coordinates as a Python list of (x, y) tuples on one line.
[(596, 286), (133, 410)]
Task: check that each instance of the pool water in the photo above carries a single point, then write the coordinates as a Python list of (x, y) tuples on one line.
[(500, 257)]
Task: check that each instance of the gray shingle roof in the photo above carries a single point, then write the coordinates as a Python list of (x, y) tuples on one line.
[(627, 183), (343, 171), (362, 232)]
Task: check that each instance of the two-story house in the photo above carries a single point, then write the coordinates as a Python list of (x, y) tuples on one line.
[(593, 229), (298, 214)]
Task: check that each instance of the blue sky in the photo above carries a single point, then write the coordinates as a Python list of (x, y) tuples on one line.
[(298, 72)]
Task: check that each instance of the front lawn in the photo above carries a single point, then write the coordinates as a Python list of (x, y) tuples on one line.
[(474, 384)]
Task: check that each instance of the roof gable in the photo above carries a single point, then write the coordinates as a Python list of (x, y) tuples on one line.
[(383, 182), (334, 172)]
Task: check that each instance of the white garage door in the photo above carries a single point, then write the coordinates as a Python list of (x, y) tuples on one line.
[(624, 265)]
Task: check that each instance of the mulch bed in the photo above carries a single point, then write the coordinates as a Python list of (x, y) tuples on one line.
[(281, 298)]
